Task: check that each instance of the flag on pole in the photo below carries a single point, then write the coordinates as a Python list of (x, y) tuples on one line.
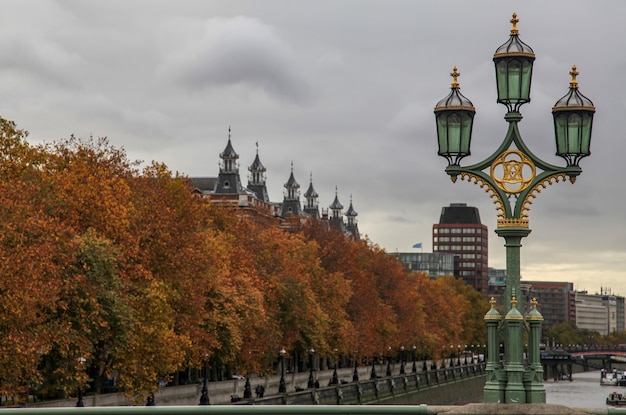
[(417, 245)]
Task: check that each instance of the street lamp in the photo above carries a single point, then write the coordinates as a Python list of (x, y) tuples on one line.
[(373, 374), (513, 176), (311, 378), (414, 369), (355, 375), (282, 387), (458, 355), (451, 355), (388, 373), (204, 397), (79, 402), (402, 360), (335, 379)]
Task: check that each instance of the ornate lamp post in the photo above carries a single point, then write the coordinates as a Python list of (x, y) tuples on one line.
[(451, 356), (402, 371), (282, 387), (373, 374), (335, 379), (414, 368), (513, 176), (311, 384), (204, 397)]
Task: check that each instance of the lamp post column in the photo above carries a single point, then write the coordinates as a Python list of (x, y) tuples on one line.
[(494, 385), (204, 397), (514, 367), (311, 383), (535, 390), (513, 243), (282, 387)]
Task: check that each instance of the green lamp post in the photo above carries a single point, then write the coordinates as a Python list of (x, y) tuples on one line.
[(513, 176)]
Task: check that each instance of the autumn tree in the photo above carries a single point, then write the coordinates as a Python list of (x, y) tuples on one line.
[(108, 268)]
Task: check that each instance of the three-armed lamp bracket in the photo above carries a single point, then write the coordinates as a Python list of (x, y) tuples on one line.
[(513, 176)]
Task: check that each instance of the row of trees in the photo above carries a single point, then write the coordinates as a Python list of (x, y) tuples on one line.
[(107, 268), (568, 334)]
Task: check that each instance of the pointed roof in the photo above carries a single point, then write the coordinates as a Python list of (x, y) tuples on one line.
[(229, 151), (311, 191), (351, 211), (336, 205), (256, 164), (292, 180)]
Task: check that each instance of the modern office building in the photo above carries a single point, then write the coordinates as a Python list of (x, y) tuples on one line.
[(602, 312), (435, 264), (460, 232), (556, 301)]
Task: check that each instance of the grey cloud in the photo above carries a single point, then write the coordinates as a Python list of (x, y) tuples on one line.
[(238, 51)]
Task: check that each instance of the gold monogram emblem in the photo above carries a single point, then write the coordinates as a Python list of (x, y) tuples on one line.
[(513, 171)]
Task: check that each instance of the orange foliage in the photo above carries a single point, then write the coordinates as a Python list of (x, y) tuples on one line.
[(107, 269)]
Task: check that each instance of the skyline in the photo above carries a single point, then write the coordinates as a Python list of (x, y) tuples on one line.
[(343, 90)]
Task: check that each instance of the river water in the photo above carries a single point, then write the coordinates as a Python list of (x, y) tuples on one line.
[(584, 391)]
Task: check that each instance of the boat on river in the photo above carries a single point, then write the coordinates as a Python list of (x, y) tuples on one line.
[(614, 378), (616, 399)]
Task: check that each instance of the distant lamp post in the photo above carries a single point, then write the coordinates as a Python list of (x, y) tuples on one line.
[(513, 177), (311, 384), (247, 389), (335, 379), (458, 355), (414, 369), (79, 402), (388, 373), (402, 360), (282, 387), (451, 355), (355, 375), (443, 357), (373, 374), (204, 396)]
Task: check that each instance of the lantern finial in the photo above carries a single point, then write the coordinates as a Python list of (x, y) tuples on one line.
[(455, 74), (574, 83), (514, 22)]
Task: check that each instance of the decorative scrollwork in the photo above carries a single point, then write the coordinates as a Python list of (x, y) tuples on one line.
[(488, 189), (554, 178)]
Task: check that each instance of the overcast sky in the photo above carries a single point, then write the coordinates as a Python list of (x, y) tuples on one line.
[(343, 89)]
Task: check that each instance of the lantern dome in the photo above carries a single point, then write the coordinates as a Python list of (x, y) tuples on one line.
[(574, 100), (514, 68), (455, 100), (454, 116), (573, 119)]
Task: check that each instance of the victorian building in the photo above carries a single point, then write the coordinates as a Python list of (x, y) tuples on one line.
[(227, 190)]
